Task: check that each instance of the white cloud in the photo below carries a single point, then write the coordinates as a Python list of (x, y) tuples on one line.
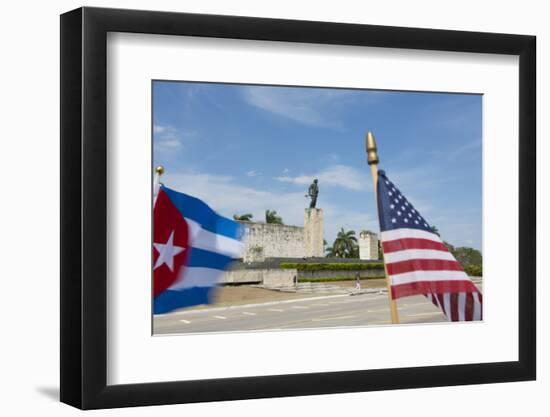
[(170, 143), (166, 137), (307, 106), (252, 173), (228, 197), (336, 175)]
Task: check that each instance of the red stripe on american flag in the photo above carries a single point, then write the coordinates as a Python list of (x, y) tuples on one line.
[(433, 287), (423, 265), (412, 243)]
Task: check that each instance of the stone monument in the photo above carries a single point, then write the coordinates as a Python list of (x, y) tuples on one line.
[(312, 193), (368, 246)]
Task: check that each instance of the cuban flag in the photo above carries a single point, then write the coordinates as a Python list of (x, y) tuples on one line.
[(192, 246), (417, 260)]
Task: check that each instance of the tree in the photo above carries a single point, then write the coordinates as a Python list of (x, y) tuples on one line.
[(271, 217), (435, 230), (345, 245), (247, 217), (468, 256), (367, 232)]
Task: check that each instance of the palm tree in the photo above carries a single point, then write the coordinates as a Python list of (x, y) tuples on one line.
[(271, 217), (435, 230), (345, 245), (247, 217)]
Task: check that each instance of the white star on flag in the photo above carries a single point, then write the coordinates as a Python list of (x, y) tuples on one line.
[(167, 251)]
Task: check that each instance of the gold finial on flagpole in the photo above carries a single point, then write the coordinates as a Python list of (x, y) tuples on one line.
[(372, 150), (159, 170), (372, 159)]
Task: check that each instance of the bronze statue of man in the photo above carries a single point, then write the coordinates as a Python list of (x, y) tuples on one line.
[(313, 192)]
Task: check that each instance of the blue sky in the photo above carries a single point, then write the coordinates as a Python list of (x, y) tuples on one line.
[(245, 149)]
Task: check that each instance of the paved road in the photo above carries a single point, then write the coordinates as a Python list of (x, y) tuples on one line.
[(332, 311)]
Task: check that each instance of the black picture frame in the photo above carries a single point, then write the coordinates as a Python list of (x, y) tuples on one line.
[(84, 207)]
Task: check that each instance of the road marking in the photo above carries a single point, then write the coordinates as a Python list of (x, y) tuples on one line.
[(334, 318), (249, 314), (275, 309), (185, 321), (220, 317), (300, 307), (241, 306)]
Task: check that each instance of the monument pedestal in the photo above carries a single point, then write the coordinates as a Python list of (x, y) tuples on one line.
[(313, 232)]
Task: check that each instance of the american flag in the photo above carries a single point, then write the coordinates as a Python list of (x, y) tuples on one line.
[(417, 260)]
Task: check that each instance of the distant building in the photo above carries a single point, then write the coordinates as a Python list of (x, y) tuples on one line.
[(368, 246)]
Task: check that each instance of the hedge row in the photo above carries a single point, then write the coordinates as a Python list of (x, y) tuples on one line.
[(472, 270), (332, 266), (334, 279)]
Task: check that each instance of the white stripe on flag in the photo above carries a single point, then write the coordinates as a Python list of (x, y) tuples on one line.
[(196, 277), (408, 234), (477, 307), (408, 254), (204, 239), (417, 276), (447, 304), (461, 306)]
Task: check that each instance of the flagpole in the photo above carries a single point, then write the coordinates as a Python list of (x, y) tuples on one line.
[(372, 159), (159, 170)]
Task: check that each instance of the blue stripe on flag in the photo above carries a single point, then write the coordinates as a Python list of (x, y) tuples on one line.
[(198, 211), (170, 300), (206, 259)]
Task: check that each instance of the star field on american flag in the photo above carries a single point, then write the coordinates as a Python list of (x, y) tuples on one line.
[(398, 212)]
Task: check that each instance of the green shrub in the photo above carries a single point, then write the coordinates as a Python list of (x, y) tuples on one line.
[(334, 279), (474, 270), (332, 266)]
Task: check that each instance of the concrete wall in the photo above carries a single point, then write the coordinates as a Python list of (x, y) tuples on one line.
[(265, 240), (275, 277), (368, 246), (242, 276), (270, 277)]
